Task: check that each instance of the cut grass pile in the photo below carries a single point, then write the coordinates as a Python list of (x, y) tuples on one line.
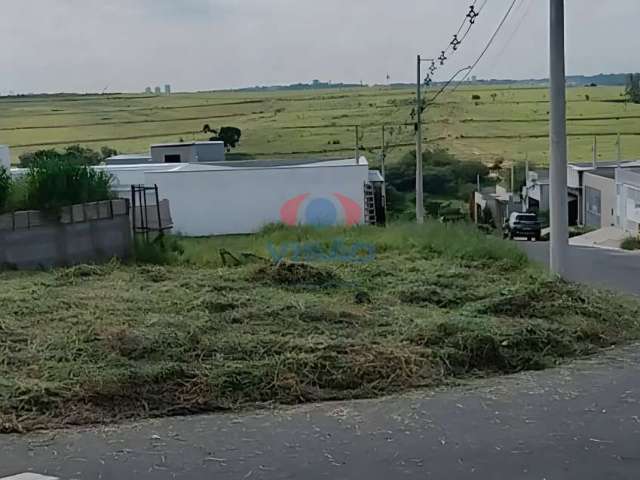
[(95, 344)]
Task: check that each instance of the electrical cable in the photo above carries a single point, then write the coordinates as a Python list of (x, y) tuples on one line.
[(488, 46)]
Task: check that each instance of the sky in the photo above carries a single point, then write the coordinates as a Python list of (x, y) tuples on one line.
[(127, 45)]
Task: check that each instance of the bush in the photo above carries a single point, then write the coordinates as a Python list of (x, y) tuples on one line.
[(631, 243), (476, 97), (74, 154), (53, 183), (444, 174), (5, 187), (161, 251)]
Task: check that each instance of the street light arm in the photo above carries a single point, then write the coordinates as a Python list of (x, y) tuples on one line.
[(446, 85)]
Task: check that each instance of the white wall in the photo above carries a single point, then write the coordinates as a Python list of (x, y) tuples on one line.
[(5, 157), (607, 189), (628, 188), (239, 201), (210, 152), (186, 152)]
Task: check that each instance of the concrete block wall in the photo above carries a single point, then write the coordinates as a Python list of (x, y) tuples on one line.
[(82, 234)]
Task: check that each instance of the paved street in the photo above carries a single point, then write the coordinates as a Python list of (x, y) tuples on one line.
[(611, 269), (578, 422)]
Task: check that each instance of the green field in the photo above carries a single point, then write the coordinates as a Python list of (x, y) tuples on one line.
[(320, 122)]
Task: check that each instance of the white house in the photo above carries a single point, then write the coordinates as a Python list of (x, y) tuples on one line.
[(628, 189), (242, 197), (183, 152)]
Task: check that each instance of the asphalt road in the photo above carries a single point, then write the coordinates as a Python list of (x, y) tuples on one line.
[(579, 422), (611, 269)]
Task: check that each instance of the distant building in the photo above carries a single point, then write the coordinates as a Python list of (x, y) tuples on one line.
[(148, 91), (167, 89), (158, 91)]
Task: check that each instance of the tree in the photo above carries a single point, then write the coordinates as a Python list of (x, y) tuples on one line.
[(632, 90), (494, 96), (5, 187), (229, 135)]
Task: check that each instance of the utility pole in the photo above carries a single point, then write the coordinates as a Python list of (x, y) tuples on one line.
[(383, 156), (419, 173), (357, 145), (558, 142), (619, 145), (595, 152), (526, 181)]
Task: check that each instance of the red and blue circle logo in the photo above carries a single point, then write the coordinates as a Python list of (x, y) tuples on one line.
[(308, 209)]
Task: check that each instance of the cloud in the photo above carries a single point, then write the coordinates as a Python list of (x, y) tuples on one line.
[(84, 45)]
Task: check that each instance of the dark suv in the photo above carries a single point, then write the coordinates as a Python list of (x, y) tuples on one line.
[(524, 225)]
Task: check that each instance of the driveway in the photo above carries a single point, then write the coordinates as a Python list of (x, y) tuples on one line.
[(578, 422), (611, 269)]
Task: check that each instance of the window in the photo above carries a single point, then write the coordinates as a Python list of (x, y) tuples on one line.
[(175, 158)]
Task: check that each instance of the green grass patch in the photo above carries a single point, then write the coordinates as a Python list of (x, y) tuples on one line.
[(631, 243), (98, 344)]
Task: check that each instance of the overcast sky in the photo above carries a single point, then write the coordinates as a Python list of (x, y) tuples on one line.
[(126, 45)]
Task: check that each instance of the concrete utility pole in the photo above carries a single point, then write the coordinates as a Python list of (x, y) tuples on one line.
[(383, 155), (357, 145), (619, 145), (419, 172), (558, 142)]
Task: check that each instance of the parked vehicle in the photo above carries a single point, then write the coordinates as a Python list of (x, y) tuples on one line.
[(525, 225)]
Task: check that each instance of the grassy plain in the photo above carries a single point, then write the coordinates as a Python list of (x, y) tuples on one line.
[(95, 344), (320, 123)]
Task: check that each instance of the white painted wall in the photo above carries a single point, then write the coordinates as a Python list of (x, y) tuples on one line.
[(212, 201), (5, 157), (186, 152), (628, 188), (607, 188), (194, 152)]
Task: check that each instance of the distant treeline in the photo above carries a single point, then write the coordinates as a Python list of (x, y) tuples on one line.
[(603, 79), (300, 86)]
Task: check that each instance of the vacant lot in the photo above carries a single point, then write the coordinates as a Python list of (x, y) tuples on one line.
[(101, 344), (510, 124)]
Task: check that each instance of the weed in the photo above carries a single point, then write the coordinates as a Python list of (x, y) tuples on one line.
[(631, 243)]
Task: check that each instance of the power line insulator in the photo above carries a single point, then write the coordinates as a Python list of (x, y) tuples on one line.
[(442, 58), (472, 15), (455, 43)]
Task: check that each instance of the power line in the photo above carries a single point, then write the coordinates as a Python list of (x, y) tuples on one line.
[(470, 18), (488, 46), (514, 32)]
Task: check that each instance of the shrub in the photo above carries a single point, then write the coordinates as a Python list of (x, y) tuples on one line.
[(53, 183), (476, 97), (5, 187), (75, 154), (161, 251), (631, 243)]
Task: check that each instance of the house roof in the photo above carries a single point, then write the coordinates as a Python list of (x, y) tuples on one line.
[(605, 172), (608, 164), (183, 144)]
